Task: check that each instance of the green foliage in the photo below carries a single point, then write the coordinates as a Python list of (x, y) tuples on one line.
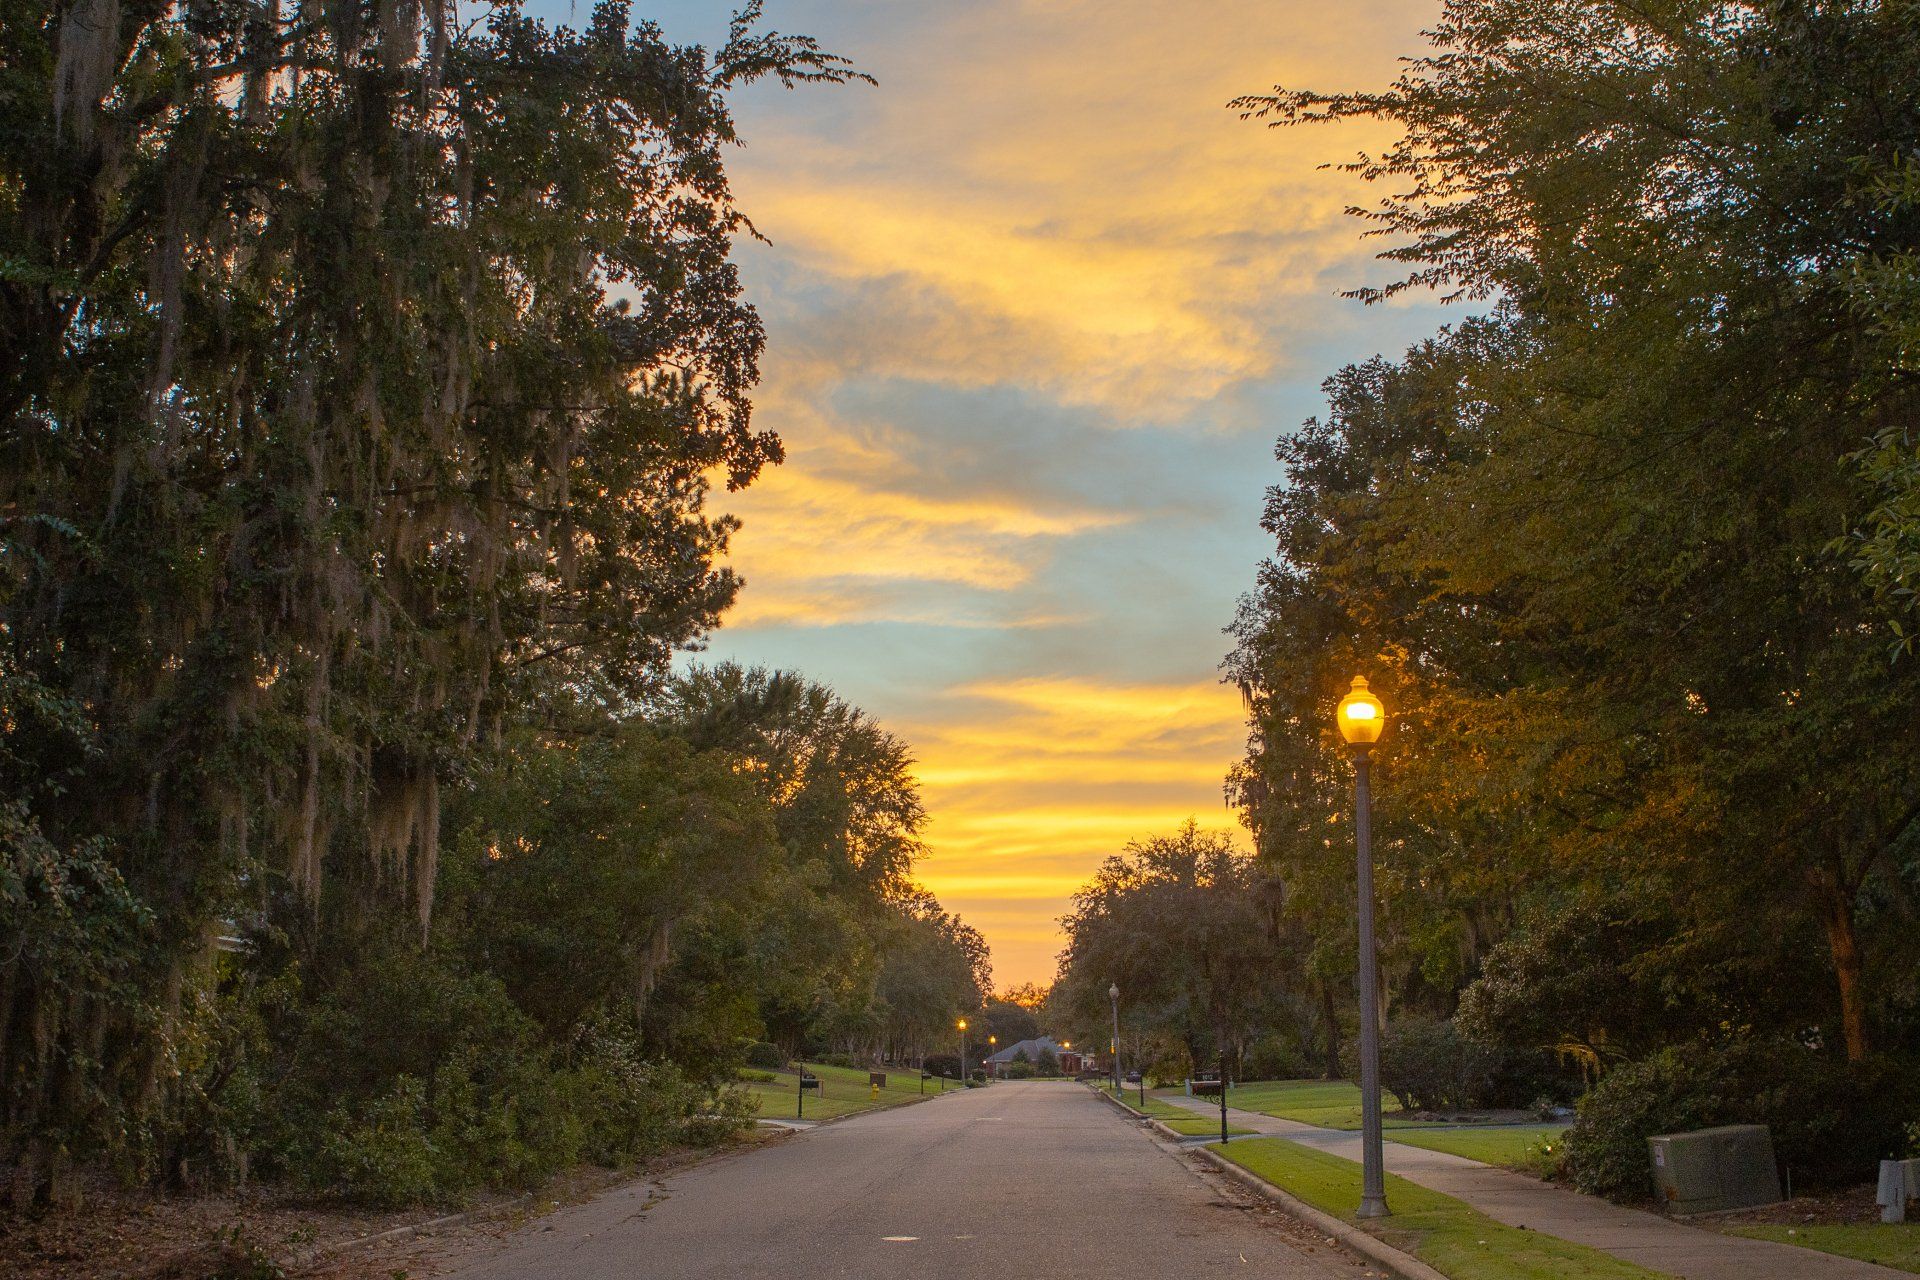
[(379, 1152), (1187, 928), (765, 1056), (1831, 1122), (1430, 1066), (1627, 556), (360, 381), (1018, 1070)]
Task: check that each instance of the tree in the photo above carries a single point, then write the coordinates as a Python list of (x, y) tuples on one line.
[(361, 370), (1187, 927), (1589, 541)]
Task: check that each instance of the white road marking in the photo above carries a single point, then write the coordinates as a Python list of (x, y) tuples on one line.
[(900, 1239)]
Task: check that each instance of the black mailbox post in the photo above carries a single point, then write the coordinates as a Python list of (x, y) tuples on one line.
[(807, 1081)]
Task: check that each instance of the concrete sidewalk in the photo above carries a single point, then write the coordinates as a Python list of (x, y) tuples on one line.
[(1654, 1242)]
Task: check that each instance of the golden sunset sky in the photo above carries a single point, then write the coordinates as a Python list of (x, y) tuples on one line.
[(1038, 306)]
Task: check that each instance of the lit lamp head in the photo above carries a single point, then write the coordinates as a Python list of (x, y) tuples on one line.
[(1113, 991), (1361, 716), (963, 1024)]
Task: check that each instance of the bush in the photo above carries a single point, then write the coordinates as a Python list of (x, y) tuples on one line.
[(1273, 1057), (1830, 1122), (767, 1057), (416, 1083), (841, 1060), (1017, 1070), (943, 1064), (1430, 1066), (379, 1155)]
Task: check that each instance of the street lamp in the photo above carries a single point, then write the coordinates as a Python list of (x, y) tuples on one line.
[(1361, 720), (993, 1068), (963, 1051), (1113, 994)]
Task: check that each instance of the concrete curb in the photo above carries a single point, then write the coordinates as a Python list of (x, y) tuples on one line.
[(1371, 1247)]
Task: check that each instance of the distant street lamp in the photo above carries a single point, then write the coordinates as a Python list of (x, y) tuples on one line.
[(1361, 720), (1113, 994), (993, 1068), (963, 1051)]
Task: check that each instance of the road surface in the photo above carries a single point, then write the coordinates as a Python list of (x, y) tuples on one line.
[(1018, 1179)]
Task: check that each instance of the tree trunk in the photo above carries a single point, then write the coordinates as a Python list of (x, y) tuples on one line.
[(1331, 1017), (1836, 913)]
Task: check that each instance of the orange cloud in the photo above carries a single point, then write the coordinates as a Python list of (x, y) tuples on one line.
[(1033, 781), (1041, 232)]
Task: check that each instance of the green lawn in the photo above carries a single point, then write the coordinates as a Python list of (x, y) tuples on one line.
[(1891, 1244), (842, 1091), (1331, 1104), (1445, 1233), (1181, 1120), (1530, 1148)]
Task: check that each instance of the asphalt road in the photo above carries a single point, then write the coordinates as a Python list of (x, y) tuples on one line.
[(1015, 1179)]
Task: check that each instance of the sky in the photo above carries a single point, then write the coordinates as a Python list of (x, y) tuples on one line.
[(1038, 306)]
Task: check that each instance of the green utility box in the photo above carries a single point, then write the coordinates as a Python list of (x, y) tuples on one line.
[(1713, 1169)]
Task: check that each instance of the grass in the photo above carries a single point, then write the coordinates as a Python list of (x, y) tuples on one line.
[(1331, 1104), (1891, 1244), (843, 1091), (1181, 1120), (1445, 1233), (1529, 1148)]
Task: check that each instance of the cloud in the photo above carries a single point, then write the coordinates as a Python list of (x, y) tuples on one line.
[(1037, 307)]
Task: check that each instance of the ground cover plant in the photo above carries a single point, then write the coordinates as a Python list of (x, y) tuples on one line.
[(1331, 1104), (1529, 1148), (1888, 1244), (844, 1091), (1443, 1232), (1182, 1120)]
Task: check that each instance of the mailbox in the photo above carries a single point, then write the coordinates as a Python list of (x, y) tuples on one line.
[(809, 1082), (1206, 1088)]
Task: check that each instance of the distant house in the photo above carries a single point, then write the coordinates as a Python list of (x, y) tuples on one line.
[(1070, 1059)]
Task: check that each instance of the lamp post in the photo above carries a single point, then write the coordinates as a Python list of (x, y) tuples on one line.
[(1361, 720), (993, 1046), (1113, 994), (963, 1051)]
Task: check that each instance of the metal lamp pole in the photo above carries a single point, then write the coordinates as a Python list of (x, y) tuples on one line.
[(1113, 994), (963, 1051), (1361, 720)]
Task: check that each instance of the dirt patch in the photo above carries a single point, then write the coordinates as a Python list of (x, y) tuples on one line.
[(264, 1232), (1849, 1207)]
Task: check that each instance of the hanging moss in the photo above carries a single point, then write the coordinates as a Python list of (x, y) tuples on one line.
[(359, 373)]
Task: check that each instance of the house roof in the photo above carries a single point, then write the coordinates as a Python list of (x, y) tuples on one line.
[(1033, 1048)]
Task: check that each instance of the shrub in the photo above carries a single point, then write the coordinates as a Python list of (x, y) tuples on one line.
[(1830, 1122), (767, 1057), (841, 1060), (943, 1064), (1430, 1066), (1017, 1070), (379, 1153), (1048, 1065), (1273, 1057)]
